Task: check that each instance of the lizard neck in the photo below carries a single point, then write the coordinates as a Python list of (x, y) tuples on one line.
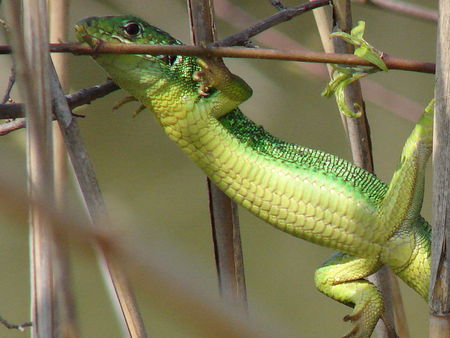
[(304, 192)]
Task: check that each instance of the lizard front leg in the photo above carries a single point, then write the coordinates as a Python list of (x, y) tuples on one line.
[(342, 278), (221, 90)]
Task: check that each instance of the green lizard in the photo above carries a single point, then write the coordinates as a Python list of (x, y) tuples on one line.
[(304, 192)]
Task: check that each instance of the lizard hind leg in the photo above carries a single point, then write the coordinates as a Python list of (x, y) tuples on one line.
[(341, 277)]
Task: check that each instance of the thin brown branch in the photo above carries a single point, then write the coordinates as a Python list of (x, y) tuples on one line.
[(277, 18), (20, 327), (79, 98), (392, 62), (404, 8), (227, 247), (87, 95), (11, 81), (223, 211), (278, 5), (401, 323), (8, 127)]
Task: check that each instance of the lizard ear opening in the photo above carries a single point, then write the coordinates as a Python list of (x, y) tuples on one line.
[(167, 59), (171, 59)]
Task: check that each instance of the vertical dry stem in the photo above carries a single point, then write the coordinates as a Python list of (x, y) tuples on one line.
[(67, 325), (32, 63), (440, 269), (359, 136), (223, 211)]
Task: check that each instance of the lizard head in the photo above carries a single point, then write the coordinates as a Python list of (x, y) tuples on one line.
[(123, 29), (140, 74)]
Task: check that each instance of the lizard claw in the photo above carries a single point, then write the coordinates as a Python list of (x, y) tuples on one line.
[(364, 319), (138, 110), (126, 100), (123, 101), (354, 317), (205, 77), (202, 77), (213, 74)]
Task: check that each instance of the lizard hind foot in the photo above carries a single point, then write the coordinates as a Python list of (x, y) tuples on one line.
[(342, 278), (362, 327), (366, 313)]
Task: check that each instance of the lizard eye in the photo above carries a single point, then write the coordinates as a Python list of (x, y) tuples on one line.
[(132, 29)]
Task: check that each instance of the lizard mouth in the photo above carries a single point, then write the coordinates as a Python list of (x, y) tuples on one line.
[(82, 35), (80, 32)]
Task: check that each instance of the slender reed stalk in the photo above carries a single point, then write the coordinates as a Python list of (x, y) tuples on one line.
[(32, 64), (66, 325), (440, 266), (223, 211), (358, 132)]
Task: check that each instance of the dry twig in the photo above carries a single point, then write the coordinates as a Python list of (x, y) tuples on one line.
[(391, 62), (79, 98), (9, 87), (277, 18), (20, 327)]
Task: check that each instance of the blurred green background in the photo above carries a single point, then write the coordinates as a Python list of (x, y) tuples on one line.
[(154, 192)]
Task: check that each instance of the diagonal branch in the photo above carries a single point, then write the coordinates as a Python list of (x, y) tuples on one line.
[(95, 205), (11, 81), (277, 18), (79, 98), (20, 327)]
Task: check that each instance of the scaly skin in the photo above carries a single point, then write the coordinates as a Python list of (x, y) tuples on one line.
[(304, 192)]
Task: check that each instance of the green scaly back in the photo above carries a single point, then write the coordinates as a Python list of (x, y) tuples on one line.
[(274, 148)]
